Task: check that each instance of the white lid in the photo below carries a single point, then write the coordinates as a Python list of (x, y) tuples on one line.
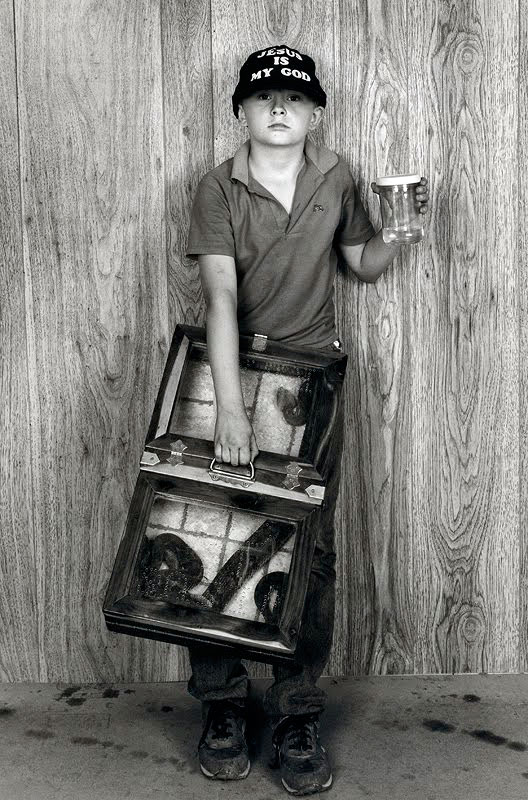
[(397, 180)]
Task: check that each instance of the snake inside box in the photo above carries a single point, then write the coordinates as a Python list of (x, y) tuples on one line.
[(277, 401), (206, 563), (205, 556)]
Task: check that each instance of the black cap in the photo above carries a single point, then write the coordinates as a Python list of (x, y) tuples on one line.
[(278, 67)]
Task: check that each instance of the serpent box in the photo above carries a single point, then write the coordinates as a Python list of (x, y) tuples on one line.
[(220, 554)]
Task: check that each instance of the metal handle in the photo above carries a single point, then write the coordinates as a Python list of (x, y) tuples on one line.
[(228, 474)]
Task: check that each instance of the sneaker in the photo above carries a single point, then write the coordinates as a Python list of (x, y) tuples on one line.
[(222, 750), (301, 757)]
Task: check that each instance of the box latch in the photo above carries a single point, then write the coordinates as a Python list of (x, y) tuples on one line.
[(149, 459), (315, 490), (260, 342)]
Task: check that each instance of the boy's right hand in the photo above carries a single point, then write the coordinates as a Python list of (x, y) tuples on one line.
[(234, 440)]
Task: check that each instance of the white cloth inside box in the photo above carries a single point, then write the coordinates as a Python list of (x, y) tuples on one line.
[(195, 412)]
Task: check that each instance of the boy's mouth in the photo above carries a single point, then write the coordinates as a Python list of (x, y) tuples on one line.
[(279, 125)]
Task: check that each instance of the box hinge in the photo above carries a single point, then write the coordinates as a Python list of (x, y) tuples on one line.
[(177, 450), (292, 472)]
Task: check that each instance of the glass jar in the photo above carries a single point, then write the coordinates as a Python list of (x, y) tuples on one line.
[(400, 212)]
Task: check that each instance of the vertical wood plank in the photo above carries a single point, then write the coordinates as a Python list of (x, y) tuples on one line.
[(522, 261), (94, 253), (187, 104), (465, 338), (375, 613), (187, 110), (18, 630)]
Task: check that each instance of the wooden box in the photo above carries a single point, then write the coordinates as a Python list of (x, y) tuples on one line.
[(220, 554)]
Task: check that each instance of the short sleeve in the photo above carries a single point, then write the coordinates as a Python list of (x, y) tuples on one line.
[(210, 229), (355, 226)]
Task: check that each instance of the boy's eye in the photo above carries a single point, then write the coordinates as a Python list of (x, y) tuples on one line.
[(267, 96)]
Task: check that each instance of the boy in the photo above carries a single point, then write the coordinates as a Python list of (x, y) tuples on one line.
[(264, 227)]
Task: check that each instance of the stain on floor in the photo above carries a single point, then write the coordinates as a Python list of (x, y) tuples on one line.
[(520, 746), (39, 734), (89, 740), (76, 701), (388, 724), (488, 736), (68, 692), (438, 725)]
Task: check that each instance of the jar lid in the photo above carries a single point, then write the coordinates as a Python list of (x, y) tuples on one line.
[(397, 180)]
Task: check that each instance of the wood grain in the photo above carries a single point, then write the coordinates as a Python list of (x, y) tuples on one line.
[(464, 339), (522, 261), (187, 108), (188, 133), (372, 124), (90, 110), (18, 628), (431, 521)]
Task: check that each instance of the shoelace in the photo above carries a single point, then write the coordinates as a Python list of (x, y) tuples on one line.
[(299, 733), (301, 738), (223, 725), (222, 721)]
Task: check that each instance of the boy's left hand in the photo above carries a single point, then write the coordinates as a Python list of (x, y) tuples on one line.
[(422, 194)]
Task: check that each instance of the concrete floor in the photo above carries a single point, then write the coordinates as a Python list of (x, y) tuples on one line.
[(389, 738)]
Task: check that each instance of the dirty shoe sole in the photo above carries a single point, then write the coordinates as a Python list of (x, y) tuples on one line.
[(225, 777), (308, 789)]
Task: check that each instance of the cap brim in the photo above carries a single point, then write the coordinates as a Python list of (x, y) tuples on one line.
[(295, 83)]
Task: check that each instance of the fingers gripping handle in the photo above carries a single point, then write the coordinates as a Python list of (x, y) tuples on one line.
[(230, 476)]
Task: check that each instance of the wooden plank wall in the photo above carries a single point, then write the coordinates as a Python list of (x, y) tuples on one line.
[(19, 656), (112, 113)]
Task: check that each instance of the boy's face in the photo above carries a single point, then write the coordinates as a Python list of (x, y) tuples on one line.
[(279, 116)]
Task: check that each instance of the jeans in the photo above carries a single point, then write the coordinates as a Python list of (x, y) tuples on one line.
[(294, 691)]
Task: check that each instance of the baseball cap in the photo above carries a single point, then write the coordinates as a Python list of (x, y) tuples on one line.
[(278, 67)]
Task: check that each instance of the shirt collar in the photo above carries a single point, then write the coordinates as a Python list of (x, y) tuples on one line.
[(321, 157)]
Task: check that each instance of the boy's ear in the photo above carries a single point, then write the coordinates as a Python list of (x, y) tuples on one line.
[(241, 114), (317, 116)]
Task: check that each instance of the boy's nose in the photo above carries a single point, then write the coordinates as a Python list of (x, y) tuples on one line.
[(278, 108)]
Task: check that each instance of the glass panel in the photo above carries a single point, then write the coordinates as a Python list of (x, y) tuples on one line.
[(278, 400), (206, 556)]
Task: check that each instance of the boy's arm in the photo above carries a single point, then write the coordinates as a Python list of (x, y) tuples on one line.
[(370, 259), (234, 438)]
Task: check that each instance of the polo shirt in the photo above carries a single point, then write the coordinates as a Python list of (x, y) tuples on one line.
[(285, 263)]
